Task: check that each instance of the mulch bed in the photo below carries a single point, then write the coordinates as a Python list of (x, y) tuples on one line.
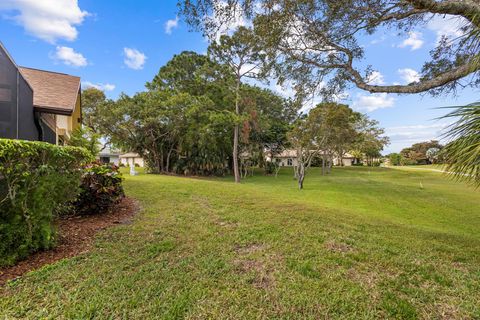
[(76, 236)]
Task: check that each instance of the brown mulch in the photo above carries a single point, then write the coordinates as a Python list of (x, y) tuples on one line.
[(76, 235)]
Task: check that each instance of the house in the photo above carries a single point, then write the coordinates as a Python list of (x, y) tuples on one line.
[(288, 158), (129, 158), (108, 155), (37, 104)]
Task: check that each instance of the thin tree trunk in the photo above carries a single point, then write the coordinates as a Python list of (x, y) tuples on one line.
[(235, 134), (301, 175), (161, 161), (168, 159)]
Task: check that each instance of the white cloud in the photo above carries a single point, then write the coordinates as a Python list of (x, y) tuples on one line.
[(48, 20), (409, 75), (170, 25), (404, 136), (369, 103), (378, 40), (238, 20), (134, 59), (376, 78), (69, 57), (99, 86), (448, 26), (414, 41)]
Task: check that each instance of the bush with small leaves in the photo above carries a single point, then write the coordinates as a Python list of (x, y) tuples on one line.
[(37, 182)]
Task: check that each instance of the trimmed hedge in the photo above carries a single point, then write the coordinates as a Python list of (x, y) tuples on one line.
[(37, 181), (101, 188)]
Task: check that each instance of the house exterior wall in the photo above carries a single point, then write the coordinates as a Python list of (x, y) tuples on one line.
[(347, 162), (8, 97), (76, 117), (67, 124), (17, 120), (287, 162), (109, 158), (135, 160), (27, 129)]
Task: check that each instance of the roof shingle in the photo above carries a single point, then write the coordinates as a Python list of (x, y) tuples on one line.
[(52, 92)]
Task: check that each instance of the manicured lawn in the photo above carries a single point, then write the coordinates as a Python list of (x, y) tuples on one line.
[(361, 243)]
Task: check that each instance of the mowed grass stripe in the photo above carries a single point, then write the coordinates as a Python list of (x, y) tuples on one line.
[(361, 243)]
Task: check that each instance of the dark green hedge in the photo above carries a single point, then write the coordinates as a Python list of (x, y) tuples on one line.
[(37, 180)]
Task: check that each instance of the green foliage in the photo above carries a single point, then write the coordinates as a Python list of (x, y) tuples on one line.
[(417, 153), (92, 101), (270, 167), (395, 159), (309, 42), (37, 181), (100, 189), (184, 123), (462, 154), (86, 138)]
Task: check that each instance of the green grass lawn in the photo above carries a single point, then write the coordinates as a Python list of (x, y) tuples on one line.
[(360, 243)]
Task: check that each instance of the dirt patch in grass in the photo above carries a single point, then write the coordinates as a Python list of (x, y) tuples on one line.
[(262, 270), (338, 247), (251, 248), (75, 236)]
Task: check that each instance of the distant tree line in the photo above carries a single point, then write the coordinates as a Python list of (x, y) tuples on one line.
[(427, 152), (195, 112), (184, 122)]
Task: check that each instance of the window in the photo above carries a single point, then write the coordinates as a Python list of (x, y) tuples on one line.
[(105, 159), (289, 162)]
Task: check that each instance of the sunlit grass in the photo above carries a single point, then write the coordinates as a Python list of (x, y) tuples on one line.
[(359, 243)]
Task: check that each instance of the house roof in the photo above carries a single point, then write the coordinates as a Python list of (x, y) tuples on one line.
[(107, 151), (292, 153), (130, 155), (52, 92)]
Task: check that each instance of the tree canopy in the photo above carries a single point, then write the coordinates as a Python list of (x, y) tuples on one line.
[(317, 41), (184, 122)]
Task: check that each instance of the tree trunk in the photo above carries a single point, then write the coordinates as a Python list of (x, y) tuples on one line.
[(323, 165), (236, 171), (167, 167), (301, 175)]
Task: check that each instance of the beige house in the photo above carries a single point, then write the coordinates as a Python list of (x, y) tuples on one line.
[(109, 155), (131, 158), (288, 158), (56, 96)]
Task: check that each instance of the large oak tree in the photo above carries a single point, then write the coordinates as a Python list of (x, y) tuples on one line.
[(314, 41)]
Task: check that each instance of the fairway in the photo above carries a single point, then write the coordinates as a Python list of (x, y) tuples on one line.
[(361, 243)]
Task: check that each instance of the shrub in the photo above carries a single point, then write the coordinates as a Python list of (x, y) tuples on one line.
[(395, 159), (270, 167), (37, 181), (101, 188)]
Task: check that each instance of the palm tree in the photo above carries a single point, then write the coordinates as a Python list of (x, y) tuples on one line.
[(462, 153)]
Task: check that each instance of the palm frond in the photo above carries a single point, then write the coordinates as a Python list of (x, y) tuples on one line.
[(462, 153)]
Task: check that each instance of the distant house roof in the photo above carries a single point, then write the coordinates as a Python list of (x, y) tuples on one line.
[(52, 92), (292, 153), (107, 151), (130, 155)]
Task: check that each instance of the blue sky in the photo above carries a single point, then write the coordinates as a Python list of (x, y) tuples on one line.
[(119, 45)]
